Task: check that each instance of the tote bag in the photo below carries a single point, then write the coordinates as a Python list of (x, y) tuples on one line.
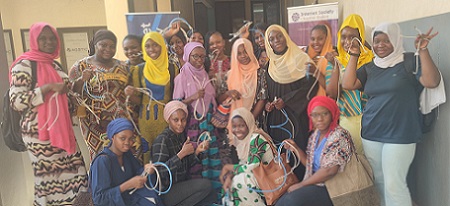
[(354, 186)]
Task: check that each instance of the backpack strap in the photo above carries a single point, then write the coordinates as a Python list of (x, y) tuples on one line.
[(410, 64), (33, 74)]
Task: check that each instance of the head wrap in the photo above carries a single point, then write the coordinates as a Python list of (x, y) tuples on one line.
[(118, 125), (156, 70), (243, 146), (190, 79), (101, 35), (328, 103), (243, 78), (59, 128), (172, 107), (322, 62), (392, 30), (290, 66), (356, 22)]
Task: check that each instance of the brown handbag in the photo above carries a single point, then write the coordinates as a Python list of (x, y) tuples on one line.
[(354, 186), (276, 177)]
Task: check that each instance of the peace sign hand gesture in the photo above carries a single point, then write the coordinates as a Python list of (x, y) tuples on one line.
[(423, 40)]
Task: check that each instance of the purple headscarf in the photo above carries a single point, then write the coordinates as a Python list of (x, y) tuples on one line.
[(189, 81)]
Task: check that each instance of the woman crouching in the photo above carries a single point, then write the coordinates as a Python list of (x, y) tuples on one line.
[(173, 148)]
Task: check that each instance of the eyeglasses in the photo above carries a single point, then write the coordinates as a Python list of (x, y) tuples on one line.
[(317, 115), (196, 57), (104, 46)]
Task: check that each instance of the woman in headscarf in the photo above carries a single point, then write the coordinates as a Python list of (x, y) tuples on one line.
[(115, 172), (46, 123), (177, 151), (391, 122), (350, 102), (290, 86), (99, 81), (253, 149), (330, 148), (246, 78), (194, 88), (320, 44), (156, 75)]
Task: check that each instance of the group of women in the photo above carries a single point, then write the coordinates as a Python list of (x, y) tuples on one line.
[(156, 108)]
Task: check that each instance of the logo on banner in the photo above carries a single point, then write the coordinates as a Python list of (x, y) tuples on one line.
[(295, 17)]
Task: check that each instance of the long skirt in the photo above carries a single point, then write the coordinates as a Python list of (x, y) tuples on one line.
[(59, 177)]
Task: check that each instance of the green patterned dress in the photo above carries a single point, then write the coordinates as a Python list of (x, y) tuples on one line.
[(244, 179)]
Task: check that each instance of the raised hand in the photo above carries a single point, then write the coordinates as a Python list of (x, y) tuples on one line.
[(423, 40)]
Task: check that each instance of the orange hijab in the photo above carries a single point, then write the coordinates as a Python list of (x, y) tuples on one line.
[(243, 78), (322, 63)]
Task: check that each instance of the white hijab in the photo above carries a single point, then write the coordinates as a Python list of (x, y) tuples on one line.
[(243, 146), (392, 30)]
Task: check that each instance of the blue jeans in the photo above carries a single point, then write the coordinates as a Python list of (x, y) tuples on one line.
[(390, 164)]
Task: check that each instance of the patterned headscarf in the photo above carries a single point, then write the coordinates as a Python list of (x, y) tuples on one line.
[(156, 71)]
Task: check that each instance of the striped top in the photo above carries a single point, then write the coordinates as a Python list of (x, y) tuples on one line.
[(350, 102)]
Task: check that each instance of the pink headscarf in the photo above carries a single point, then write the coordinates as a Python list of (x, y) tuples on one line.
[(173, 106), (187, 82), (328, 103), (60, 134), (243, 78)]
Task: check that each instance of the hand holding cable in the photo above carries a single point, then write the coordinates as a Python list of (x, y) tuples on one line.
[(136, 182), (422, 40)]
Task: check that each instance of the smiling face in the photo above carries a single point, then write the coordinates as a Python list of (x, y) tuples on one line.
[(216, 43), (317, 40), (177, 121), (177, 45), (132, 48), (105, 49), (47, 41), (123, 141), (382, 45), (239, 128), (347, 34), (277, 41), (197, 57), (321, 118), (153, 49), (258, 36), (242, 55)]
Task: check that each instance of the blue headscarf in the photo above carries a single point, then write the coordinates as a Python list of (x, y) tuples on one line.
[(118, 125)]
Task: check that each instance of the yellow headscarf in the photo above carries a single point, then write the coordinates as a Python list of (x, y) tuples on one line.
[(156, 71), (356, 22), (290, 66)]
